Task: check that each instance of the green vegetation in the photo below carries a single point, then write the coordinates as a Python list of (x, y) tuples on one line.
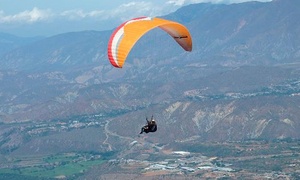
[(64, 165), (4, 176), (211, 149)]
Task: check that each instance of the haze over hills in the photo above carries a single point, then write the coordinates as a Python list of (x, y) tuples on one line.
[(241, 81), (251, 33), (9, 42)]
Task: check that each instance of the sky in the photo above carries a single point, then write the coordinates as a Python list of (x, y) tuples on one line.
[(50, 17)]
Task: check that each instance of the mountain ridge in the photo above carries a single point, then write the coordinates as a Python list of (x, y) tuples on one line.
[(247, 29)]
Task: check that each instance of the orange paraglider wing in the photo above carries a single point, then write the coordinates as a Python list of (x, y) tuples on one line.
[(127, 34)]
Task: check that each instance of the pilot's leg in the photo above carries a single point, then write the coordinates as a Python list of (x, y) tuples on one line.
[(142, 130)]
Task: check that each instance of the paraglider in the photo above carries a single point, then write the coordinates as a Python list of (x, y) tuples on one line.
[(151, 126), (127, 34)]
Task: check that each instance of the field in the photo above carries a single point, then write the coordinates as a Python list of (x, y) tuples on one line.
[(249, 159), (54, 166)]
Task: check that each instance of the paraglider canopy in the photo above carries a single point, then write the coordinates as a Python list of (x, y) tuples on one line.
[(127, 34)]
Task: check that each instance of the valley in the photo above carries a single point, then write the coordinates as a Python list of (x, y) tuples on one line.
[(141, 159)]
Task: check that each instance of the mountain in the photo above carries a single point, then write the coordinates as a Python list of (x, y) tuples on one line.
[(9, 42), (251, 33), (240, 82), (245, 33)]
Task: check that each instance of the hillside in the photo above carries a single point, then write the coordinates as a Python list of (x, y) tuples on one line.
[(9, 42), (240, 82)]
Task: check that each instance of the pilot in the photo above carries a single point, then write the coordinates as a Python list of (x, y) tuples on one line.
[(151, 126)]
